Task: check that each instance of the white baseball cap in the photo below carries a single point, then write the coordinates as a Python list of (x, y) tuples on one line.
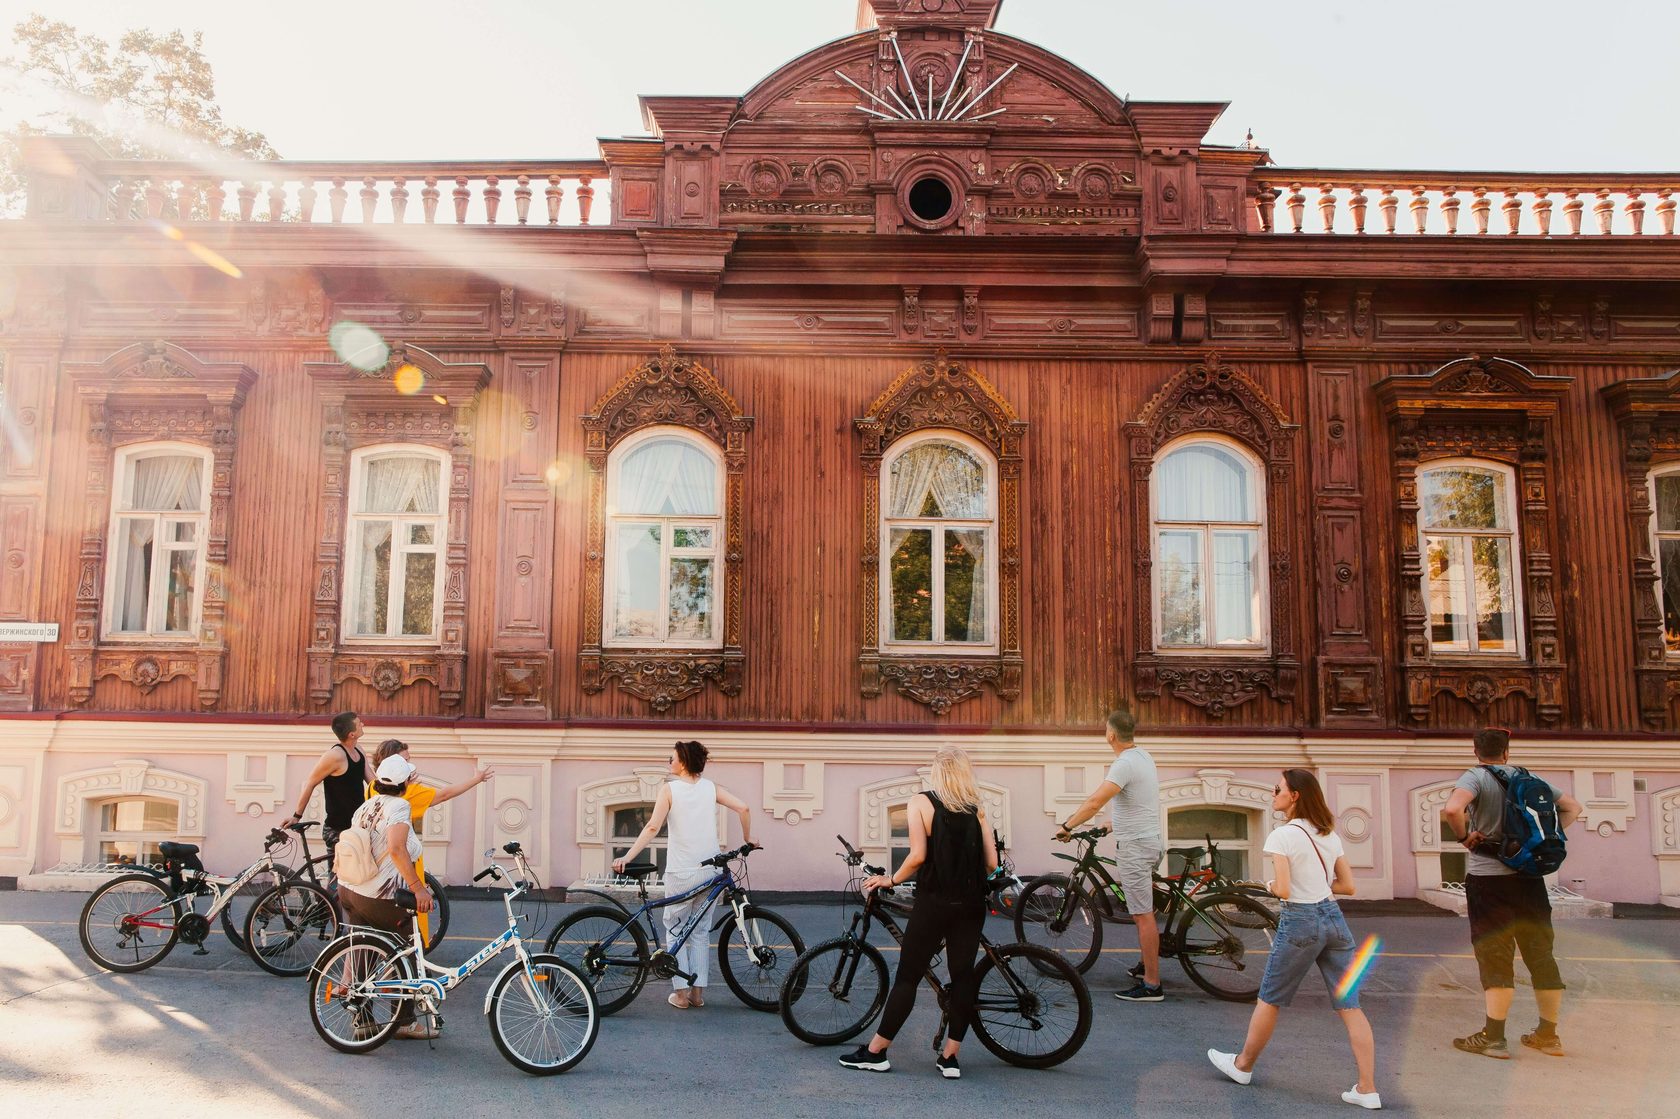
[(394, 770)]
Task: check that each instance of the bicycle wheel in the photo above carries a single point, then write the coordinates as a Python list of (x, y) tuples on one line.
[(289, 926), (129, 923), (546, 1026), (239, 905), (1224, 942), (347, 1013), (834, 991), (1033, 1008), (440, 912), (1055, 914), (755, 965), (616, 971)]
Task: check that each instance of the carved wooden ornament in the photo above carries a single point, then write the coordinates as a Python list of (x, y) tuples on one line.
[(941, 393), (1497, 410), (1212, 398), (668, 391), (147, 392), (1647, 410), (364, 408)]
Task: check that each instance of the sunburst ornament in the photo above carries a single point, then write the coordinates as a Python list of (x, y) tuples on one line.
[(955, 105)]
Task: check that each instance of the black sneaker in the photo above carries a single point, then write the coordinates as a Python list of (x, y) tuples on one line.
[(1480, 1042), (1142, 992), (1136, 971), (862, 1058), (948, 1068)]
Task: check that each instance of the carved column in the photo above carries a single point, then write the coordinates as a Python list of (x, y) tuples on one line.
[(1348, 668)]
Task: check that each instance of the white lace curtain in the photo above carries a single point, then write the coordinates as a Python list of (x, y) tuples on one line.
[(954, 478), (400, 484), (168, 484), (666, 478), (1204, 483)]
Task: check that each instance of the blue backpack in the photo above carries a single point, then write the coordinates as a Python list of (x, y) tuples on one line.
[(1531, 842)]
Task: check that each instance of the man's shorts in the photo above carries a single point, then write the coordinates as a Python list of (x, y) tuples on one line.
[(1135, 864)]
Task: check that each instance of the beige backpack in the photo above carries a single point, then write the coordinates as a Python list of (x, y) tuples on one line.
[(354, 862)]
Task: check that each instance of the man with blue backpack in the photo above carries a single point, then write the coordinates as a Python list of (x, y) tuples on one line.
[(1512, 824)]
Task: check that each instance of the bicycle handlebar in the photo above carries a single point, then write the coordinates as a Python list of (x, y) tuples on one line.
[(491, 871), (1089, 835), (722, 858), (276, 838)]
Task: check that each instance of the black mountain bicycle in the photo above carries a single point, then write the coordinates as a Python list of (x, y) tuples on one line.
[(1221, 936), (610, 947), (317, 870), (1033, 1009)]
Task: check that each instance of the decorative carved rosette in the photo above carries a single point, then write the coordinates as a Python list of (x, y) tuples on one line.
[(1647, 410), (668, 391), (1212, 398), (941, 393), (361, 408), (1498, 410), (154, 391)]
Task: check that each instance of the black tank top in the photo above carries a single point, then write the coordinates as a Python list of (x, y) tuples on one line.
[(956, 859), (345, 792)]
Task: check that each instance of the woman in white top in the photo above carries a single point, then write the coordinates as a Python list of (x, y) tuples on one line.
[(1308, 867), (388, 820), (689, 803)]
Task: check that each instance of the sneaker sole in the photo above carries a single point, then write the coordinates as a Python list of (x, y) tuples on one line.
[(1141, 998), (1497, 1056), (1552, 1052), (865, 1068)]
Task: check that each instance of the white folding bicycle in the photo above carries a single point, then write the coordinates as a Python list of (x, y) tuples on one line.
[(543, 1014)]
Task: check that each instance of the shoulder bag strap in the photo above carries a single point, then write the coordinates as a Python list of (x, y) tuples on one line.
[(1316, 851)]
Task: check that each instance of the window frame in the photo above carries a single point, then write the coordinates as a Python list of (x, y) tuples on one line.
[(124, 460), (1472, 651), (1260, 604), (100, 835), (614, 521), (1252, 848), (1671, 647), (659, 844), (989, 525), (353, 520)]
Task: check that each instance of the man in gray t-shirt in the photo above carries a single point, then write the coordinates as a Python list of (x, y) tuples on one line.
[(1509, 911), (1134, 792)]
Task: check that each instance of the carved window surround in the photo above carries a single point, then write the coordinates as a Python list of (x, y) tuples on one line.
[(939, 393), (150, 392), (669, 391), (1211, 398), (1496, 410), (363, 408), (1647, 410)]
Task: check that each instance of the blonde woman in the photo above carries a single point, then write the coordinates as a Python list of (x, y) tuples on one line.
[(951, 854)]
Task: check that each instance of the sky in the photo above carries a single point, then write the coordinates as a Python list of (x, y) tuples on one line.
[(1539, 85)]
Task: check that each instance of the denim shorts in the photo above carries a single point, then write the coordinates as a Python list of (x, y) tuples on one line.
[(1309, 934)]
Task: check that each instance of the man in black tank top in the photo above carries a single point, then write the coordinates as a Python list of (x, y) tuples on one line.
[(343, 773)]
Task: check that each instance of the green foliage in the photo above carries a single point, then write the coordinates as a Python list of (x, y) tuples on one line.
[(147, 96)]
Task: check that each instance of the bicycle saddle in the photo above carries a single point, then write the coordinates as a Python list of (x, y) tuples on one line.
[(639, 870), (174, 851), (1188, 854), (404, 900)]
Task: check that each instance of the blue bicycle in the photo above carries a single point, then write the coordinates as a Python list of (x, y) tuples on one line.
[(755, 946)]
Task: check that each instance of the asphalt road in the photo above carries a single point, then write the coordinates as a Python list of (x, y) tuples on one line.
[(200, 1035)]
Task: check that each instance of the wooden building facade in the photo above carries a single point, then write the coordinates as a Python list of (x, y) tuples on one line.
[(927, 391)]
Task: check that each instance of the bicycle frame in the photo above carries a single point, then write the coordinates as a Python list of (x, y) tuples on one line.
[(722, 884), (435, 981), (1089, 870), (200, 884)]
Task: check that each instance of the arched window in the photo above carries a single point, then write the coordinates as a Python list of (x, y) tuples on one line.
[(1467, 519), (394, 576), (130, 829), (1665, 529), (1208, 505), (627, 823), (665, 531), (160, 508), (938, 544)]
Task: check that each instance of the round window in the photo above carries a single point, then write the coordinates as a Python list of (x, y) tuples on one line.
[(931, 199)]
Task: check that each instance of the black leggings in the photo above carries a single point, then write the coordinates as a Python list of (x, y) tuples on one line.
[(935, 921)]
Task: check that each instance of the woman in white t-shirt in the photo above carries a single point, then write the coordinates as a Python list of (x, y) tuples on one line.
[(1309, 867), (689, 803)]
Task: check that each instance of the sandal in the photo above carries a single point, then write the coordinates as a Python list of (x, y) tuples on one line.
[(696, 997), (678, 999)]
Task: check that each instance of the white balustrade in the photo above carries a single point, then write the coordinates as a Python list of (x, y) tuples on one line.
[(1527, 205)]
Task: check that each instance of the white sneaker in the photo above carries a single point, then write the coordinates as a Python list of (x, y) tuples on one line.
[(1370, 1101), (1227, 1064)]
